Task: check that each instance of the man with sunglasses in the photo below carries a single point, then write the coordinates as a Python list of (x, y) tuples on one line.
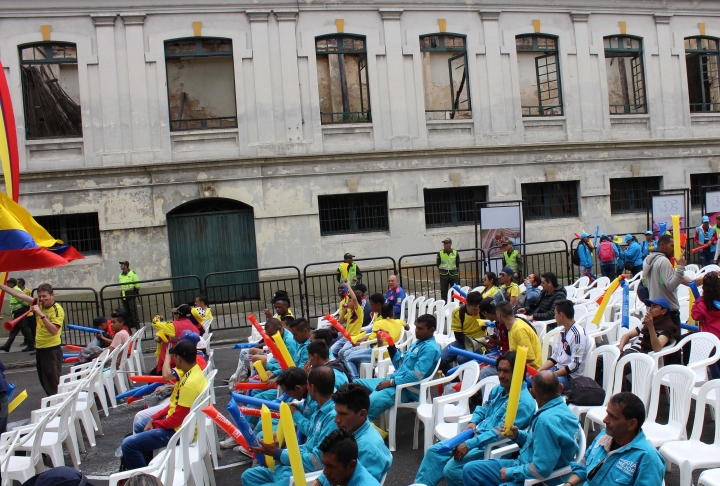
[(620, 454)]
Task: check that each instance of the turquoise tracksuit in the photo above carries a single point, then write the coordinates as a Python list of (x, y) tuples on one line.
[(301, 355), (324, 423), (634, 254), (361, 477), (585, 254), (637, 463), (548, 444), (486, 417), (416, 364), (372, 452), (645, 248), (291, 346), (619, 256)]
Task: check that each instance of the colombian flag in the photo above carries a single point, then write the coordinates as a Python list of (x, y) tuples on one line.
[(25, 245)]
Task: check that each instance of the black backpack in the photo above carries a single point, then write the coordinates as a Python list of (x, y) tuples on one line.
[(584, 391), (576, 256)]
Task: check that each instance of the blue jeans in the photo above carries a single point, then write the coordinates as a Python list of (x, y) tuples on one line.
[(608, 270), (134, 445), (354, 358), (564, 380), (340, 347), (487, 472)]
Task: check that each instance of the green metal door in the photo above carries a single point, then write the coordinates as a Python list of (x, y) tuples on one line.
[(215, 237)]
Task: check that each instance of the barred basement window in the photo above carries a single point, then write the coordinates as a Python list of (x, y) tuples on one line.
[(543, 200), (630, 195), (343, 79), (79, 230), (699, 180), (201, 83), (452, 207), (539, 71), (51, 90), (353, 213), (625, 75), (445, 75), (701, 58)]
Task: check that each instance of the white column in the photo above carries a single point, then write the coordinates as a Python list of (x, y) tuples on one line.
[(396, 78), (139, 114), (493, 62), (290, 78), (591, 122), (109, 98), (262, 74), (671, 119)]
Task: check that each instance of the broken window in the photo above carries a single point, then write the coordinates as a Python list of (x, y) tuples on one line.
[(343, 79), (701, 58), (625, 75), (51, 90), (539, 71), (201, 83), (445, 77)]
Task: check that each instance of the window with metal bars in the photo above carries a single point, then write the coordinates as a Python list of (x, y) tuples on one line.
[(201, 83), (625, 75), (353, 213), (79, 230), (702, 55), (343, 79), (452, 206), (539, 71), (630, 194), (543, 200), (51, 90), (445, 75), (697, 181)]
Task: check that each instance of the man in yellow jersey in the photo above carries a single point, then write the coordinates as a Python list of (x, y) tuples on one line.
[(470, 330), (281, 304), (509, 288), (520, 333), (49, 317), (155, 432), (355, 356), (348, 271), (351, 317)]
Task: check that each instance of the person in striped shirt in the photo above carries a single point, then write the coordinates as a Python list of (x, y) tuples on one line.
[(568, 358)]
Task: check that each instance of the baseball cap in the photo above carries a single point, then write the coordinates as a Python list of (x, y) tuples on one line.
[(185, 349), (183, 310), (705, 219), (584, 235), (488, 305), (124, 262), (508, 271), (649, 232), (348, 255), (661, 301), (188, 335), (447, 240), (59, 476), (628, 237), (361, 287)]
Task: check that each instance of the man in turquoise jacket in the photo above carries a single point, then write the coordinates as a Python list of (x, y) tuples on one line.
[(620, 454), (419, 362), (633, 254), (342, 464), (550, 442), (321, 383), (300, 329), (585, 253), (648, 245), (486, 417)]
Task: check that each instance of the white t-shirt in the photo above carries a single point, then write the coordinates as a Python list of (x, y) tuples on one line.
[(570, 351)]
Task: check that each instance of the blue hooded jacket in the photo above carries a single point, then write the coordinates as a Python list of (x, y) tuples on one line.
[(585, 254), (634, 254)]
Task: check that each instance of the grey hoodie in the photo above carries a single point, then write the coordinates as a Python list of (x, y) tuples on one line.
[(661, 279)]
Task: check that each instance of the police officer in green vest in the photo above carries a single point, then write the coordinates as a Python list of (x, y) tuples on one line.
[(512, 259), (348, 270), (130, 288), (448, 262)]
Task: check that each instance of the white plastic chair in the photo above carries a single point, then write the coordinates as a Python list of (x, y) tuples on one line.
[(123, 368), (549, 341), (609, 355), (693, 453), (22, 468), (7, 450), (708, 268), (711, 477), (642, 368), (679, 384), (581, 283), (413, 309), (448, 430), (138, 360), (431, 411), (200, 461), (705, 350), (405, 307), (392, 412), (570, 291)]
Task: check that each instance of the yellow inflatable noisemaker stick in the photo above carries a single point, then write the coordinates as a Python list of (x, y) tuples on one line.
[(267, 433), (280, 435), (286, 422), (260, 371), (283, 349), (515, 388), (606, 298), (676, 235), (690, 306), (17, 401)]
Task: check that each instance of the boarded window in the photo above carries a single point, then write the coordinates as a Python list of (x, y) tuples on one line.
[(452, 207), (343, 79), (539, 71), (201, 83), (445, 77), (79, 230), (701, 59), (630, 195), (544, 200), (51, 90), (353, 213), (625, 75)]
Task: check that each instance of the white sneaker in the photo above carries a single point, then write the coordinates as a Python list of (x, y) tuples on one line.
[(228, 443), (242, 450)]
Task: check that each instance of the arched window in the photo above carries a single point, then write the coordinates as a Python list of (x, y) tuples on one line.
[(343, 78), (701, 59), (625, 75), (445, 77), (539, 70), (201, 83), (51, 90)]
